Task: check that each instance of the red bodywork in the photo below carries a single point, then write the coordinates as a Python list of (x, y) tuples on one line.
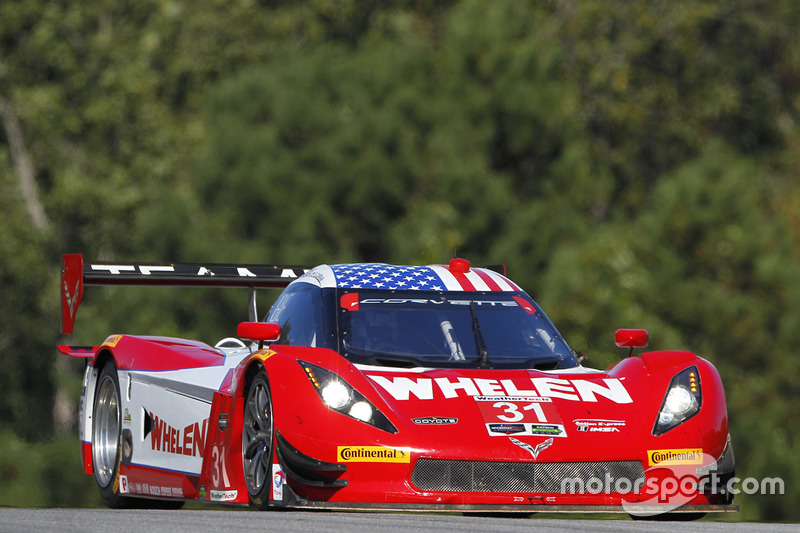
[(466, 416), (319, 432)]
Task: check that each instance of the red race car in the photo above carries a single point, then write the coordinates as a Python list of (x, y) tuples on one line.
[(375, 386)]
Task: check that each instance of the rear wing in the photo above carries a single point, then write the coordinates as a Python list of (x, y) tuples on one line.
[(75, 274)]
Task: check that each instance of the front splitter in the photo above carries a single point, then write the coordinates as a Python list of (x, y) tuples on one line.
[(532, 508)]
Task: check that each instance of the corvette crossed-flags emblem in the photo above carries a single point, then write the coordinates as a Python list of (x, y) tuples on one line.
[(533, 451)]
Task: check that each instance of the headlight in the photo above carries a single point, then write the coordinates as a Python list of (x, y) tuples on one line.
[(361, 411), (335, 394), (339, 396), (681, 402)]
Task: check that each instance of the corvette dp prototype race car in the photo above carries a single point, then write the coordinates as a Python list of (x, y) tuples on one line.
[(374, 386)]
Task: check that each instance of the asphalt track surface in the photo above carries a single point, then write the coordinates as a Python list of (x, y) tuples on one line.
[(192, 521)]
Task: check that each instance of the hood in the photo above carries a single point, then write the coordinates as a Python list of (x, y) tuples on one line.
[(507, 414)]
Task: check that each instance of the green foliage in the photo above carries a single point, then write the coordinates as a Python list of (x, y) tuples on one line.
[(26, 373), (634, 166), (44, 474)]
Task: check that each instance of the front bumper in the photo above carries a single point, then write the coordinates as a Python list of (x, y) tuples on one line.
[(427, 484)]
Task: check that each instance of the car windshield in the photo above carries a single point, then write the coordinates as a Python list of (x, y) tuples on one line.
[(448, 329)]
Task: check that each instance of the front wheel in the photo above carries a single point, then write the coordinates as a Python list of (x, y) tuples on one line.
[(257, 441)]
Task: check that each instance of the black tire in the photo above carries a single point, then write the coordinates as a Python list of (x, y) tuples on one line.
[(107, 445), (258, 438)]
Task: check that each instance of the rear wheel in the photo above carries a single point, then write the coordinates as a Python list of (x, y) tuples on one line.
[(107, 445), (257, 441), (106, 441)]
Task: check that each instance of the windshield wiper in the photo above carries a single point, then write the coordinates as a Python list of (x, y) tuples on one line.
[(483, 359)]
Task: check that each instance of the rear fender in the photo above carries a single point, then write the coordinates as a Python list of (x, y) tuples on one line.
[(131, 352)]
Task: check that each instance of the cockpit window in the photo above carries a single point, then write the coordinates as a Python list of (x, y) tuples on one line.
[(299, 312), (448, 329)]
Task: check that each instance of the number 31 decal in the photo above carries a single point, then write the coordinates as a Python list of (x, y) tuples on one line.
[(520, 415), (514, 415), (218, 469)]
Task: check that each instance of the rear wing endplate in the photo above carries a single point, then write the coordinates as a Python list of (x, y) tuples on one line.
[(75, 274)]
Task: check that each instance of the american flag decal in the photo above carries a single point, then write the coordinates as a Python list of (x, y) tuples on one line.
[(381, 276), (418, 278)]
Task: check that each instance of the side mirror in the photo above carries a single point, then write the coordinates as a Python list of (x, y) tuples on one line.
[(631, 338), (259, 331)]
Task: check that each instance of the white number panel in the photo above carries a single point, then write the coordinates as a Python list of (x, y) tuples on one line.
[(520, 415)]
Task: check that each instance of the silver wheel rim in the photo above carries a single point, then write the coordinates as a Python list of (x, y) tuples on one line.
[(105, 431), (257, 437)]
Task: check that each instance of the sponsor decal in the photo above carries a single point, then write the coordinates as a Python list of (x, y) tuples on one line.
[(264, 354), (146, 489), (533, 451), (278, 480), (223, 495), (506, 429), (599, 426), (372, 454), (520, 415), (435, 420), (155, 490), (683, 456), (250, 271), (577, 390), (112, 340), (543, 429), (126, 417), (189, 440)]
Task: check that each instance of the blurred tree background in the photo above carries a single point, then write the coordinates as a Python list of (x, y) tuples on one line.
[(635, 164)]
